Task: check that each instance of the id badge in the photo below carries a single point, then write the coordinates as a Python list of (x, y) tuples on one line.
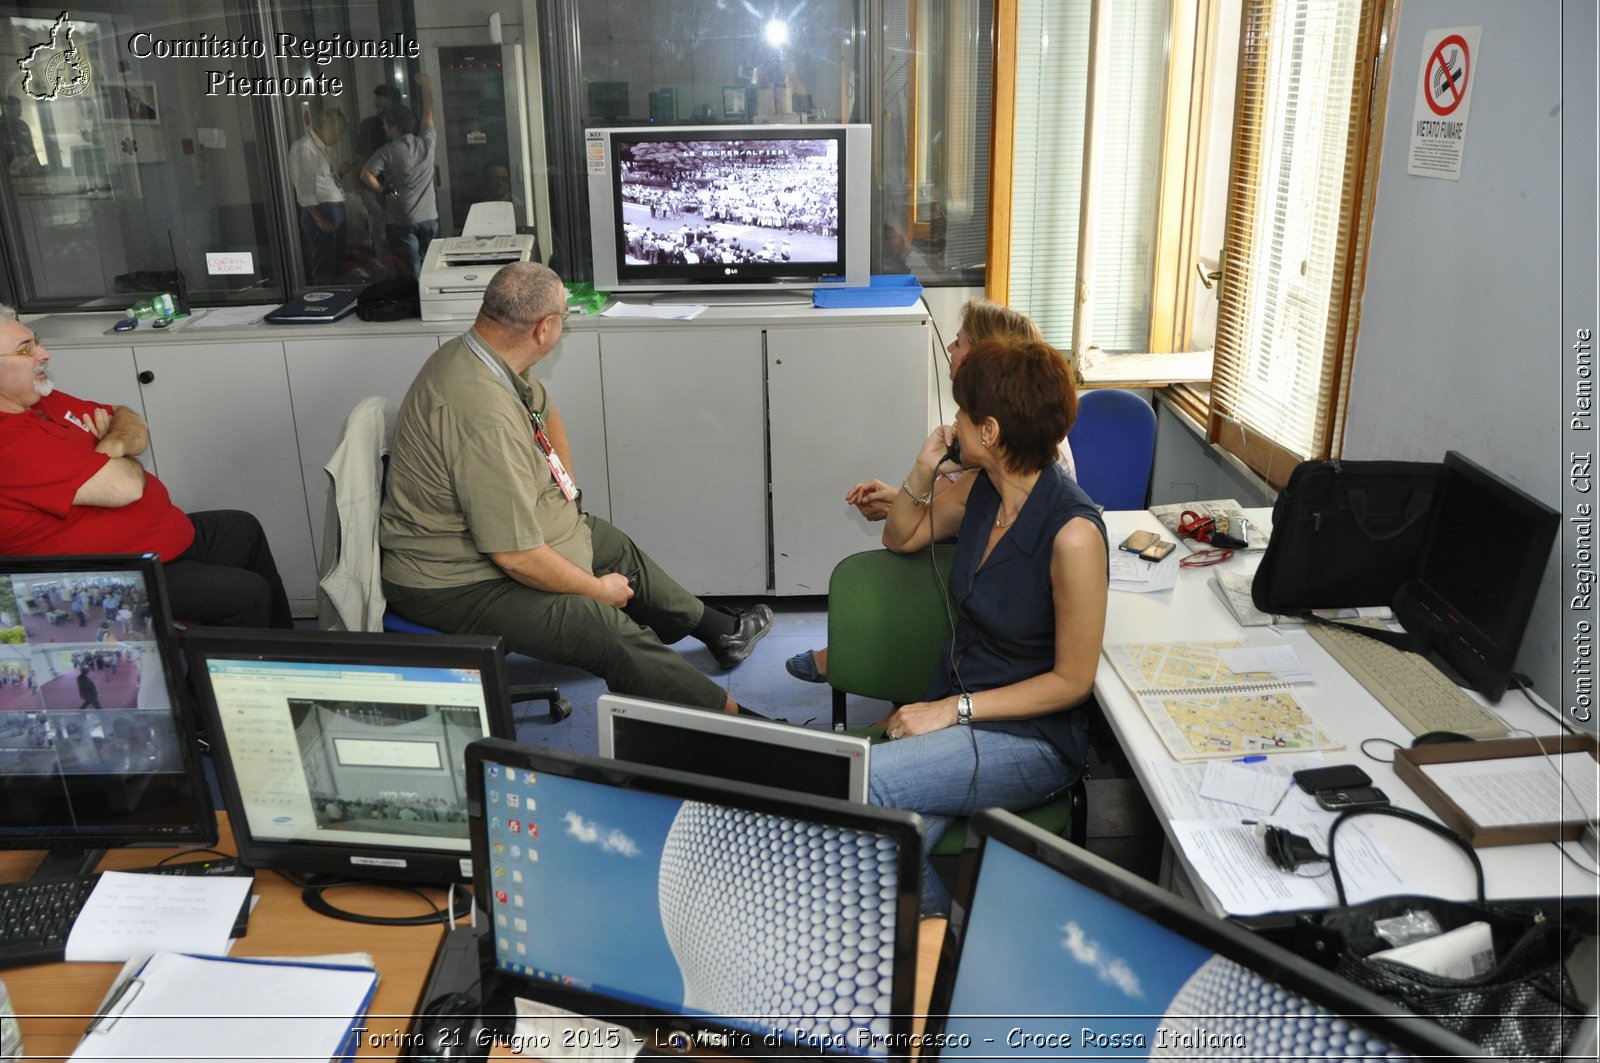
[(563, 478)]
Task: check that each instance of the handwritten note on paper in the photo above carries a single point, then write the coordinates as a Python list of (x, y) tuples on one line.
[(1253, 786), (1181, 787), (129, 914)]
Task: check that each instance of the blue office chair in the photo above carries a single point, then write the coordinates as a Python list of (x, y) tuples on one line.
[(1114, 446)]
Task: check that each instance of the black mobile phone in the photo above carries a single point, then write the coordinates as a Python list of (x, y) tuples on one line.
[(1333, 777), (1341, 798), (952, 453)]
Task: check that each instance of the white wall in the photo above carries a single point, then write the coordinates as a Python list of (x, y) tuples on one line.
[(1460, 341)]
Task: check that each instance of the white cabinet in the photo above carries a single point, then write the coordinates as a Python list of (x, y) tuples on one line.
[(326, 380), (223, 432), (685, 434), (845, 404)]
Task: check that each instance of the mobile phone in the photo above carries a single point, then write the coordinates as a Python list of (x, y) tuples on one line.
[(1139, 541), (952, 453), (1157, 550), (1341, 798), (1333, 777)]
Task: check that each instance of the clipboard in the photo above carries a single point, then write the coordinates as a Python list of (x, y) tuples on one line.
[(1408, 764)]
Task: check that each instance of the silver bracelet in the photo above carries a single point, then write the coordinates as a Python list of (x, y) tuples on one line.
[(916, 499)]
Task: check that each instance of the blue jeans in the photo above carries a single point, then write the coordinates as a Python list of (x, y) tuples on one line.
[(412, 241), (322, 249), (936, 775)]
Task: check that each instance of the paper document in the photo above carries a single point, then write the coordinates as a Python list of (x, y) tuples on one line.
[(1244, 785), (659, 311), (1130, 572), (1521, 790), (128, 914), (178, 1007), (1281, 661), (1202, 708), (1230, 859), (552, 1033), (1178, 788), (231, 316)]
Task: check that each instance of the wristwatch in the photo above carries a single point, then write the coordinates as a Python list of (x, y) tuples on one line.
[(964, 710)]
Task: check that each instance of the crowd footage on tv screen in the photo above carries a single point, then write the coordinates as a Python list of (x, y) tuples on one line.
[(81, 683), (730, 202), (388, 767)]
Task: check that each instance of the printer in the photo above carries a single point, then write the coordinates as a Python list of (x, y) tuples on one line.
[(457, 268)]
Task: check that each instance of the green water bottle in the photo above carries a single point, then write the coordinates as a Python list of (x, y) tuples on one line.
[(155, 308)]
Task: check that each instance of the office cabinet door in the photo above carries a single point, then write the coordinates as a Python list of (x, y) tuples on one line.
[(685, 453), (222, 427), (572, 373), (844, 404), (326, 380)]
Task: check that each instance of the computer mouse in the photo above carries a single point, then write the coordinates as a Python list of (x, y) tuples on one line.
[(1433, 738), (447, 1031)]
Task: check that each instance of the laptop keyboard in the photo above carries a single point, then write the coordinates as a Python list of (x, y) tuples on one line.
[(36, 917)]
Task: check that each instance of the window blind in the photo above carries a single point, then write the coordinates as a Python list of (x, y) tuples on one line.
[(1294, 203)]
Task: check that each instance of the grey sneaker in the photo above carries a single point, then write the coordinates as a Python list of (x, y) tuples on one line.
[(754, 622)]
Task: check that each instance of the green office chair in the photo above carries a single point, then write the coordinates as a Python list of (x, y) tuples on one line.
[(889, 619)]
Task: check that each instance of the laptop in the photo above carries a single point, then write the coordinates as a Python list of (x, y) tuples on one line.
[(692, 911), (1053, 952), (737, 748)]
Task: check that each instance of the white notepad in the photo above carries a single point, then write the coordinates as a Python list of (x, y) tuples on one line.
[(181, 1006)]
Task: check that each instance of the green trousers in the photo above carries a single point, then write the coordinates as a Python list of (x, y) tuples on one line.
[(625, 647)]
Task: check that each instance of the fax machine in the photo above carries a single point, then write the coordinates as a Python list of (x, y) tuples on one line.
[(457, 268)]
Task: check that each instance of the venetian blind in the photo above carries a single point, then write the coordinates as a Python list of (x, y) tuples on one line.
[(1294, 196)]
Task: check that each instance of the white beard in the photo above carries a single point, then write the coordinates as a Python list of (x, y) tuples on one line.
[(43, 387)]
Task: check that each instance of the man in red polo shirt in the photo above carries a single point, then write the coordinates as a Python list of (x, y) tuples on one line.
[(71, 483)]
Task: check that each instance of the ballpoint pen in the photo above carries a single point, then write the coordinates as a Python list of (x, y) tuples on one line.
[(1254, 758)]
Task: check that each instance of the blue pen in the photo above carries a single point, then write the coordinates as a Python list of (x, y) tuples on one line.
[(1254, 759)]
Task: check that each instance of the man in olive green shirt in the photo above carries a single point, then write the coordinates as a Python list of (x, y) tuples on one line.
[(482, 531)]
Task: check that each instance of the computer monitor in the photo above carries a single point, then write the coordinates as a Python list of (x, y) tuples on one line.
[(1052, 952), (1479, 573), (697, 911), (342, 754), (97, 748), (737, 748)]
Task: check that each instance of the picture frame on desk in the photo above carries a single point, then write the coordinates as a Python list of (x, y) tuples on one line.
[(1409, 765)]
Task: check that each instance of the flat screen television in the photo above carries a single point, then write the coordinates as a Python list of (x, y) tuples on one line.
[(1479, 574), (730, 208), (764, 752), (97, 743), (693, 910), (1054, 953), (342, 754)]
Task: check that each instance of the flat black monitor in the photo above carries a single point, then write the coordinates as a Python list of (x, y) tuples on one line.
[(697, 911), (1479, 573), (97, 746), (342, 754), (764, 752), (1052, 952)]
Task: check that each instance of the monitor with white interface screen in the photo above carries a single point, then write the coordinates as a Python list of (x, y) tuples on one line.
[(1051, 952), (97, 747), (342, 753), (1472, 604), (738, 748), (765, 922)]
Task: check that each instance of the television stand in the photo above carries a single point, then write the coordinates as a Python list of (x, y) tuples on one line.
[(68, 862), (713, 297)]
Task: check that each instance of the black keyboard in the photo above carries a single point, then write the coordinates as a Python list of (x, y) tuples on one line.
[(36, 917)]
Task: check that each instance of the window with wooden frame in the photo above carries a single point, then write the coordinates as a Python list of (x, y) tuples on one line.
[(1302, 172)]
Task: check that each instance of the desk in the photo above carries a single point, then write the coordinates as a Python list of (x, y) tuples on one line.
[(1191, 612), (56, 1001)]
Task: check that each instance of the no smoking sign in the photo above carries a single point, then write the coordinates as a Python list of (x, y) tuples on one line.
[(1444, 91)]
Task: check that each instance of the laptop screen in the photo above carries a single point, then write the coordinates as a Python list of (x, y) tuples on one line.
[(1053, 952), (788, 920)]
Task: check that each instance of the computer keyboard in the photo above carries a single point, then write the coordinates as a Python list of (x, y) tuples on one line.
[(36, 916), (1420, 696)]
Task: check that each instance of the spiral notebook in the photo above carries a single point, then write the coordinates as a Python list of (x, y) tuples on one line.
[(1201, 708)]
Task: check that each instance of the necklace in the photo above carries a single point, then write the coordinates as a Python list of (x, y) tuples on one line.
[(998, 523)]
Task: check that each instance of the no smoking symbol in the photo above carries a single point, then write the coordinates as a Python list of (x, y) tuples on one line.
[(1444, 83)]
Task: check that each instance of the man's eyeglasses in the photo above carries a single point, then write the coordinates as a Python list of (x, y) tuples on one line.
[(27, 350)]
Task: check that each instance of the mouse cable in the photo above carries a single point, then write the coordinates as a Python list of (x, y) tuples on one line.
[(1519, 681), (1371, 756)]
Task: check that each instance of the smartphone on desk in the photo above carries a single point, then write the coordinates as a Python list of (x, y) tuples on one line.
[(1333, 777), (1148, 545), (1341, 798)]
